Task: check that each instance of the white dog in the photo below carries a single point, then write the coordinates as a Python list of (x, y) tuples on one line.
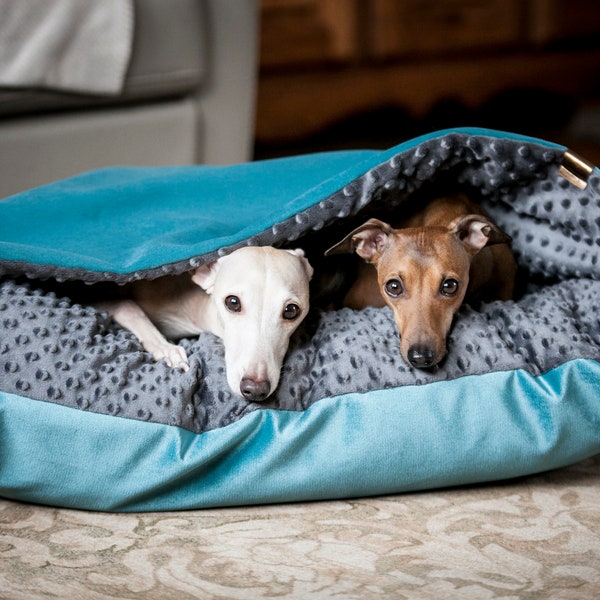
[(253, 298)]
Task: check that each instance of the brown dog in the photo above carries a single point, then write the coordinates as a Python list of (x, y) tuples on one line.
[(424, 269)]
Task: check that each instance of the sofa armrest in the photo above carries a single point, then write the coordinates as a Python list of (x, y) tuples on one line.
[(202, 113), (228, 100)]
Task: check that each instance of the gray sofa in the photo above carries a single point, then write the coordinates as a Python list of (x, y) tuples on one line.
[(188, 98)]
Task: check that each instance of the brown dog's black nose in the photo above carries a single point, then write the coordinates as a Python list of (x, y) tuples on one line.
[(255, 390), (421, 357)]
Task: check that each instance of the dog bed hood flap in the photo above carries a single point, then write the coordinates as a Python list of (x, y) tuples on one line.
[(124, 223), (117, 221)]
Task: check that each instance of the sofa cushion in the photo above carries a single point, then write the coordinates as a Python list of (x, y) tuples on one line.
[(168, 59)]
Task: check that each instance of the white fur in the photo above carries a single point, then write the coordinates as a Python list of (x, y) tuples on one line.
[(256, 338)]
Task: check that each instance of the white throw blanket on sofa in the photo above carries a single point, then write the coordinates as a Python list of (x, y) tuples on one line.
[(68, 45)]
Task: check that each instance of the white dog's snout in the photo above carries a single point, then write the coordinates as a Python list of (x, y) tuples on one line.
[(254, 369), (255, 390)]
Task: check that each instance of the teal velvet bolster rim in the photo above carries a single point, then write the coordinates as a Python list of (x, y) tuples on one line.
[(473, 429)]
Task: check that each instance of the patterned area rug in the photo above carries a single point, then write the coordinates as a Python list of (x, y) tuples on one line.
[(536, 537)]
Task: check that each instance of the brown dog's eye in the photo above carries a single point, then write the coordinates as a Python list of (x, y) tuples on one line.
[(394, 288), (449, 287), (233, 304), (291, 312)]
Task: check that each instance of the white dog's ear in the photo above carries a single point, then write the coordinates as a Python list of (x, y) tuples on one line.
[(206, 275), (307, 266)]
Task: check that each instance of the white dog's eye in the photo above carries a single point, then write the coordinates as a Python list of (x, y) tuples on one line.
[(233, 304), (291, 312)]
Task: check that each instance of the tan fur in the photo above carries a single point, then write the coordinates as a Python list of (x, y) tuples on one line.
[(451, 240)]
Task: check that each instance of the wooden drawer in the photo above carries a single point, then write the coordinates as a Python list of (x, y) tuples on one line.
[(409, 27), (296, 32), (555, 20)]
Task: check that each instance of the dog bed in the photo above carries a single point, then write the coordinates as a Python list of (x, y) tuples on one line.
[(88, 420)]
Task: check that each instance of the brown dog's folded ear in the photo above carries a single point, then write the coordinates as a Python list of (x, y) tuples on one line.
[(346, 246), (476, 231), (368, 241)]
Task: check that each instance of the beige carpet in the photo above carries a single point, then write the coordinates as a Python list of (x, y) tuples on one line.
[(537, 537)]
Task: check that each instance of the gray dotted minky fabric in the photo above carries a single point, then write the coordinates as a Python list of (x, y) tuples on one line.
[(56, 350)]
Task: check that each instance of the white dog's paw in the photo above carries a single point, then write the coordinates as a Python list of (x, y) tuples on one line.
[(175, 356)]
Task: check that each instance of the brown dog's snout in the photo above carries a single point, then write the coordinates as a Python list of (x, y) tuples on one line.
[(421, 357), (255, 390)]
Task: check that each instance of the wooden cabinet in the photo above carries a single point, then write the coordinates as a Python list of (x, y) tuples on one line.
[(417, 27), (325, 60), (305, 32), (563, 20)]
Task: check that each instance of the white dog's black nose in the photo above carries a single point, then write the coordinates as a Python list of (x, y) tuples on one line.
[(255, 390)]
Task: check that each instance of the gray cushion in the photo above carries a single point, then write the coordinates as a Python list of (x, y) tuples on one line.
[(168, 60)]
